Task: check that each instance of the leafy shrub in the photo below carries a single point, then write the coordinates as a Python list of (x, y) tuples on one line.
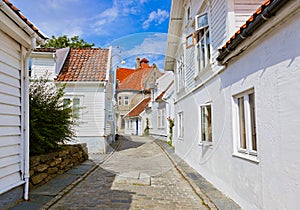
[(146, 130), (171, 125), (51, 121)]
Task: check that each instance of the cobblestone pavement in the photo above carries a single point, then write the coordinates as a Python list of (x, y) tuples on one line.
[(137, 176)]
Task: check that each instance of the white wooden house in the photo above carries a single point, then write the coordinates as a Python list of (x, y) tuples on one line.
[(236, 66), (18, 37), (89, 87), (162, 106)]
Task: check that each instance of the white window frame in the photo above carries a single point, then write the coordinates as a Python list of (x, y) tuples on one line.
[(161, 118), (80, 107), (247, 151), (180, 67), (180, 125), (110, 111), (203, 108), (205, 40), (126, 100)]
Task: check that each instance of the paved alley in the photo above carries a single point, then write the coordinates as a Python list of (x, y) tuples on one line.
[(137, 176)]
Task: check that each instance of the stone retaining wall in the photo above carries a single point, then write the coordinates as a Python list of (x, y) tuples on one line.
[(45, 167)]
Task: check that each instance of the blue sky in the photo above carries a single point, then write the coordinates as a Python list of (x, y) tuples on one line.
[(133, 27)]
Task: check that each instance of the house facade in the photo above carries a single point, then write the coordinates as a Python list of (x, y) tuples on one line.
[(133, 85), (236, 68), (18, 37), (89, 90), (162, 107)]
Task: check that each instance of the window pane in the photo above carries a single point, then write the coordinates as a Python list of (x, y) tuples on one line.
[(242, 123), (76, 103), (66, 102), (206, 123), (253, 125), (207, 46), (202, 54)]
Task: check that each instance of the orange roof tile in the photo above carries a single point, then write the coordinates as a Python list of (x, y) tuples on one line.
[(139, 108), (250, 19), (136, 80), (87, 64), (17, 11), (123, 73)]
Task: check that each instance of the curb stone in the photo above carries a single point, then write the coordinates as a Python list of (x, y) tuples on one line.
[(200, 184), (76, 182), (205, 199)]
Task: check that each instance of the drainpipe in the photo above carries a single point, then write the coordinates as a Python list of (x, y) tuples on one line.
[(105, 112), (26, 118)]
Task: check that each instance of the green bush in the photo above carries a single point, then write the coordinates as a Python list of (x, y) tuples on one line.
[(51, 121)]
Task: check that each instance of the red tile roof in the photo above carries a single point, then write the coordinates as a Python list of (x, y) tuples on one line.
[(123, 73), (257, 12), (264, 12), (136, 80), (139, 108), (17, 11), (87, 64)]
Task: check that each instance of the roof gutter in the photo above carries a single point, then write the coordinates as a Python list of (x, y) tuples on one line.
[(40, 38), (250, 28)]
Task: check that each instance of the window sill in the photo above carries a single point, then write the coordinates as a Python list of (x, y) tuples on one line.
[(180, 138), (205, 144), (248, 157)]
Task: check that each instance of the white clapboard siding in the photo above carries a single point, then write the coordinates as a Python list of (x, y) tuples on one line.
[(243, 9), (10, 112), (42, 65)]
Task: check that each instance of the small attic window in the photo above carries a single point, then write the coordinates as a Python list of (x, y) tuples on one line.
[(201, 21)]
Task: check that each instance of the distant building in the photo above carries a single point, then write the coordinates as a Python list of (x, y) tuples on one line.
[(133, 85), (162, 106), (89, 88), (236, 66), (18, 37)]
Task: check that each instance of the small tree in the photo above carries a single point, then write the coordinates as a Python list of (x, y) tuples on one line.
[(64, 41), (51, 121), (146, 130), (171, 125)]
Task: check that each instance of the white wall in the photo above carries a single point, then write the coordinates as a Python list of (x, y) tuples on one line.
[(271, 67), (11, 115), (90, 128), (41, 63)]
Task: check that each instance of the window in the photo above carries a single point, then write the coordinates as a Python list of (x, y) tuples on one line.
[(75, 105), (206, 126), (126, 101), (180, 73), (245, 126), (202, 37), (30, 67), (180, 125), (120, 101), (161, 118), (110, 111)]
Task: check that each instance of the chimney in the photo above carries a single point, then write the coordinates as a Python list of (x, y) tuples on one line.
[(144, 63), (138, 63)]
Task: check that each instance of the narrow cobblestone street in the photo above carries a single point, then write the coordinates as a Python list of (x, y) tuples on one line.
[(137, 176)]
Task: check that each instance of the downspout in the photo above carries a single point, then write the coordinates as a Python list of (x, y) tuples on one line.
[(105, 112), (26, 117)]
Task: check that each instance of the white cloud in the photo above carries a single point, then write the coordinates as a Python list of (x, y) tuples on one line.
[(120, 8), (157, 17), (153, 48)]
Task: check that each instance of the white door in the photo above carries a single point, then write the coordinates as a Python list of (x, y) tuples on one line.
[(10, 113)]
